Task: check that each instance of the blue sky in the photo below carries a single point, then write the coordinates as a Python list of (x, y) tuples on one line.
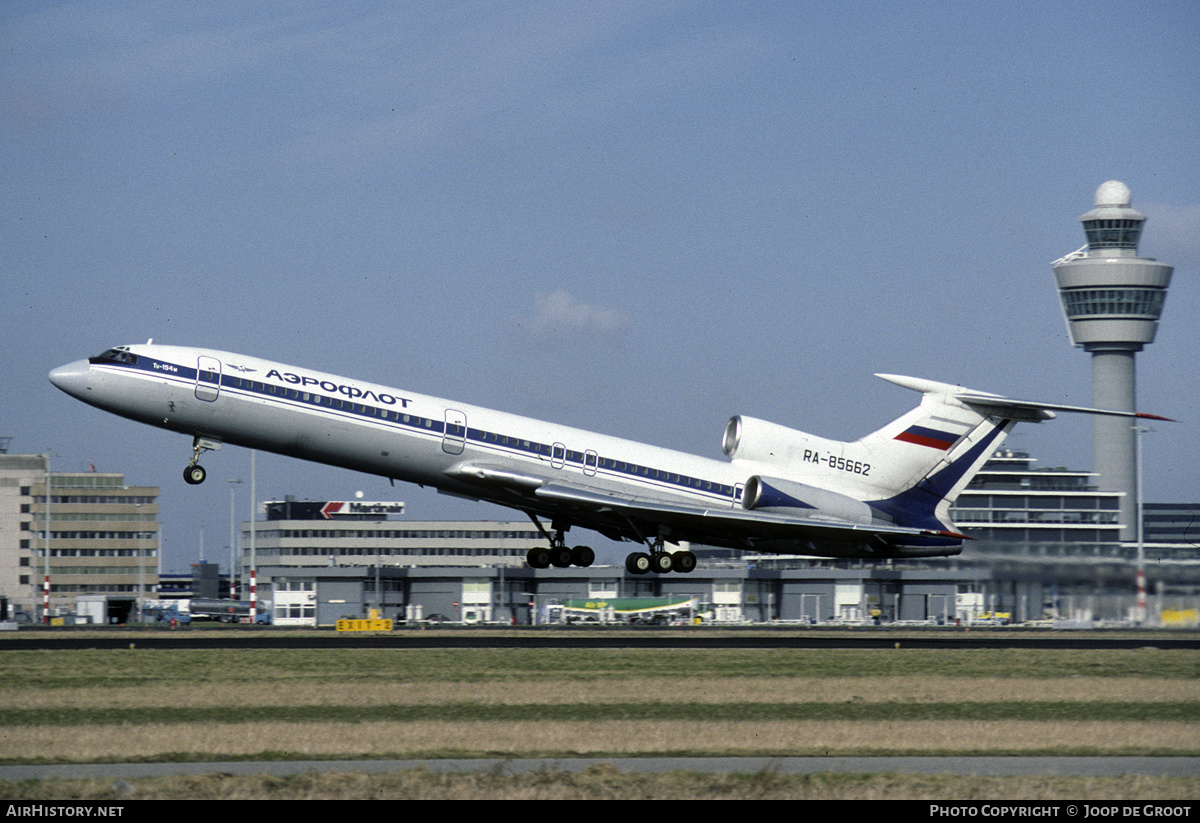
[(639, 218)]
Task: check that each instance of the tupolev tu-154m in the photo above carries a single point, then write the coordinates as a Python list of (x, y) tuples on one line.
[(886, 495)]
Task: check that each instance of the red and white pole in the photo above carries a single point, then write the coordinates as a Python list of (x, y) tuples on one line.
[(1141, 595), (46, 601), (253, 594)]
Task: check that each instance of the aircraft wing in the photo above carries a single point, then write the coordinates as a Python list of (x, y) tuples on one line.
[(644, 518), (753, 525)]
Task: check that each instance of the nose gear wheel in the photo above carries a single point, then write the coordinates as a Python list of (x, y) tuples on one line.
[(193, 472)]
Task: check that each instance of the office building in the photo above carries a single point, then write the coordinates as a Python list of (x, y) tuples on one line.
[(102, 537)]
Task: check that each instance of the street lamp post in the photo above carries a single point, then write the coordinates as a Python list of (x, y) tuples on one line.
[(253, 531), (46, 549), (1139, 612), (232, 544)]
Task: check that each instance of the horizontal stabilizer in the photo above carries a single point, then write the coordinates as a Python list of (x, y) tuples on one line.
[(1004, 404), (998, 404)]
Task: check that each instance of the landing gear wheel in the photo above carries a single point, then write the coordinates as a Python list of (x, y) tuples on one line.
[(683, 562), (538, 558), (637, 563), (661, 563), (194, 475), (560, 557), (582, 556)]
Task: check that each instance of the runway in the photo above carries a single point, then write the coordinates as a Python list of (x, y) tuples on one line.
[(966, 766), (591, 638)]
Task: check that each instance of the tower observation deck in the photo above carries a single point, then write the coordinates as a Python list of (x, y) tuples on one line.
[(1111, 301)]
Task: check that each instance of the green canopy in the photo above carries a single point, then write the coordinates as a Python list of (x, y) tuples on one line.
[(630, 605)]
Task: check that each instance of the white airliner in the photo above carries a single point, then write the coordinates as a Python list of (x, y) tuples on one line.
[(886, 495)]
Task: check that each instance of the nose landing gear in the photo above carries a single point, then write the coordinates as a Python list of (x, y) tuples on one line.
[(193, 472)]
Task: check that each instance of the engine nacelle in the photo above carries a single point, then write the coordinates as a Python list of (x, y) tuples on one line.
[(748, 438), (790, 497)]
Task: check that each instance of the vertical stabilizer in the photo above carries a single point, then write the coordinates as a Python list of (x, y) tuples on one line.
[(929, 455)]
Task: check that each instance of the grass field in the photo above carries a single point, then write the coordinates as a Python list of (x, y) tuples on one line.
[(98, 706)]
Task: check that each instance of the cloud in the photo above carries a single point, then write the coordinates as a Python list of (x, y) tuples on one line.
[(560, 315)]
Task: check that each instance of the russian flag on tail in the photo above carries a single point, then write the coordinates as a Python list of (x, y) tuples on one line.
[(923, 436)]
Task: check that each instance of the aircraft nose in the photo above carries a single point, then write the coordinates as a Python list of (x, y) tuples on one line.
[(72, 378)]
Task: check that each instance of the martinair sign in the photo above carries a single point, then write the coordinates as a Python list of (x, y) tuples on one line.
[(332, 509), (338, 507)]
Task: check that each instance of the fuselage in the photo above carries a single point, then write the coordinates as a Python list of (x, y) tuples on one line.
[(886, 494)]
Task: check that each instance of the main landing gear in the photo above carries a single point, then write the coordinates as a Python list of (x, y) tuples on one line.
[(558, 555), (660, 561)]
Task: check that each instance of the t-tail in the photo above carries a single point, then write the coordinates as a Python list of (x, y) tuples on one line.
[(928, 456)]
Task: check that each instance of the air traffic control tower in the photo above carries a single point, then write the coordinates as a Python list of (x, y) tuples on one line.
[(1111, 300)]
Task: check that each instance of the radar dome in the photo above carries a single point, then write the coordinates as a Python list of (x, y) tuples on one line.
[(1112, 193)]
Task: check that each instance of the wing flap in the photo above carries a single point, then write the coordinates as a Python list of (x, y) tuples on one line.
[(496, 475), (647, 517), (700, 518)]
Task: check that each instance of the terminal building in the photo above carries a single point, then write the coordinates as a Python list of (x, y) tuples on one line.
[(526, 596), (1053, 535), (320, 561), (356, 533), (1018, 513)]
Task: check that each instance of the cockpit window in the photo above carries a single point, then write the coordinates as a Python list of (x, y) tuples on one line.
[(117, 355)]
